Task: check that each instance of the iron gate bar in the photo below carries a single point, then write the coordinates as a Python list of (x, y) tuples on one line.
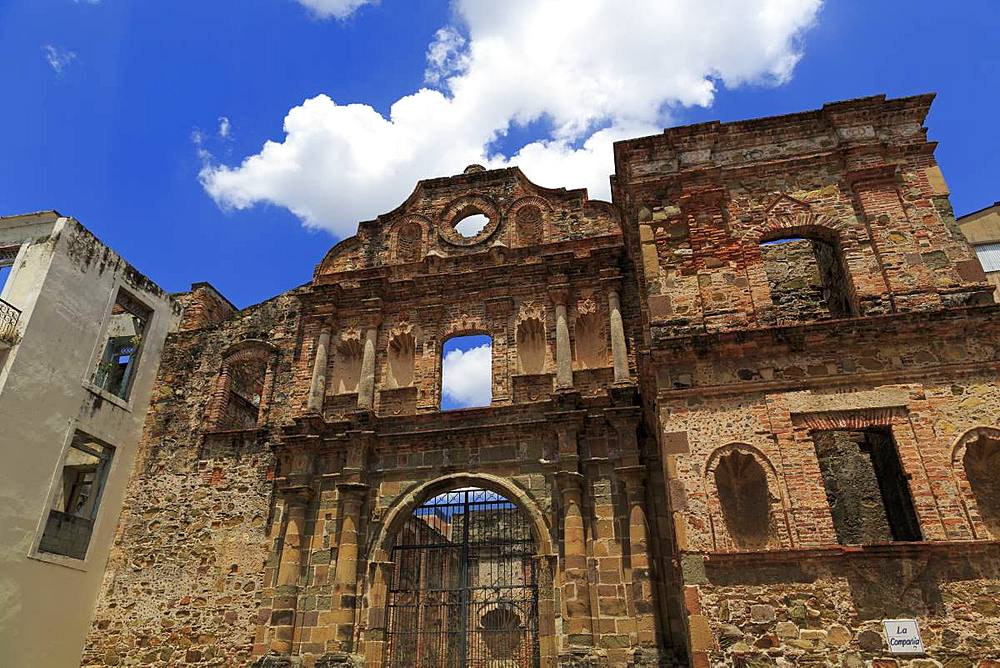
[(469, 553)]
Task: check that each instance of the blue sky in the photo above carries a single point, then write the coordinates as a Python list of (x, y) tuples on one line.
[(112, 110), (109, 138)]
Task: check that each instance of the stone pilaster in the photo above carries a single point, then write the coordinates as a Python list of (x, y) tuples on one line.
[(564, 354), (317, 387), (285, 603), (366, 384), (619, 353), (575, 583), (345, 579)]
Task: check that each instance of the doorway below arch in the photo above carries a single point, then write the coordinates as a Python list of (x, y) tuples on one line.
[(463, 588)]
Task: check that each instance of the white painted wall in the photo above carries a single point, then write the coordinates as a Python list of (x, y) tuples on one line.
[(65, 282)]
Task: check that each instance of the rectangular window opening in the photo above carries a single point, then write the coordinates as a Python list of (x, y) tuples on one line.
[(866, 487), (126, 329), (84, 471)]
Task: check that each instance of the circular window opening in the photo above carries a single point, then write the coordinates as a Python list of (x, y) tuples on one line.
[(471, 225)]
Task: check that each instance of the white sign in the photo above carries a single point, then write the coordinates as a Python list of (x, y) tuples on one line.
[(903, 636)]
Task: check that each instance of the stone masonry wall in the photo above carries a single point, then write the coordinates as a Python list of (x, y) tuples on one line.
[(182, 582)]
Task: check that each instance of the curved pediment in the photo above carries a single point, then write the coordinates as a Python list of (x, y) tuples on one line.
[(472, 213)]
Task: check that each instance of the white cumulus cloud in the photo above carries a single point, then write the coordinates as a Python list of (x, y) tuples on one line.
[(594, 71), (224, 127), (467, 376), (57, 58), (339, 9)]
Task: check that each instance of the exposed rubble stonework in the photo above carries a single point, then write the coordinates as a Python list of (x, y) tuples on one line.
[(670, 417)]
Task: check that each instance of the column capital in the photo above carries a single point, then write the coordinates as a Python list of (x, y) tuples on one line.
[(559, 295), (872, 175), (294, 493), (569, 483)]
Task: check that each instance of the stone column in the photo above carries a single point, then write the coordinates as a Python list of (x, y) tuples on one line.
[(575, 584), (345, 579), (317, 388), (564, 356), (285, 601), (366, 384), (619, 354)]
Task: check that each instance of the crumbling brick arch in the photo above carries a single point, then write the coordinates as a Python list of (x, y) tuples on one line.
[(241, 395), (409, 240), (975, 463), (746, 505), (376, 581)]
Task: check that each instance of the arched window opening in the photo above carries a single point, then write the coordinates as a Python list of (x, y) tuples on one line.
[(982, 464), (402, 349), (531, 345), (807, 278), (463, 587), (528, 225), (743, 496), (347, 366), (409, 242), (591, 344), (246, 387), (467, 372)]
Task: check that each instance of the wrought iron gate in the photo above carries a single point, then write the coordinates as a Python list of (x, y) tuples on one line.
[(463, 591)]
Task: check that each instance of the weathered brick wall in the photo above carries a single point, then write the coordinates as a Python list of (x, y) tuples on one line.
[(749, 379), (703, 197), (185, 572), (203, 307)]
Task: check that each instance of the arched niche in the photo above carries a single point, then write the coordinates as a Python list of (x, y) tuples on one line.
[(744, 500), (976, 461), (409, 242), (528, 225)]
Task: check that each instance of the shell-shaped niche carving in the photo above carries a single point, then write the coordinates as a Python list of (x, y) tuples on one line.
[(531, 345), (591, 343), (402, 351), (346, 366)]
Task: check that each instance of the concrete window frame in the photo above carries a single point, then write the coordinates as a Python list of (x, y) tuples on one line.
[(100, 518), (101, 343)]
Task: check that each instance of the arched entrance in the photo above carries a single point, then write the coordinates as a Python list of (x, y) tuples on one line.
[(463, 586)]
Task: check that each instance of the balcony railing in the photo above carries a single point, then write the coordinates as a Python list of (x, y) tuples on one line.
[(9, 315)]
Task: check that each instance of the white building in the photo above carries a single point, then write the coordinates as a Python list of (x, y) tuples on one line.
[(982, 229), (81, 332)]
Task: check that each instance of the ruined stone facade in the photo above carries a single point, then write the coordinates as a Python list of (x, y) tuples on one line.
[(682, 381)]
